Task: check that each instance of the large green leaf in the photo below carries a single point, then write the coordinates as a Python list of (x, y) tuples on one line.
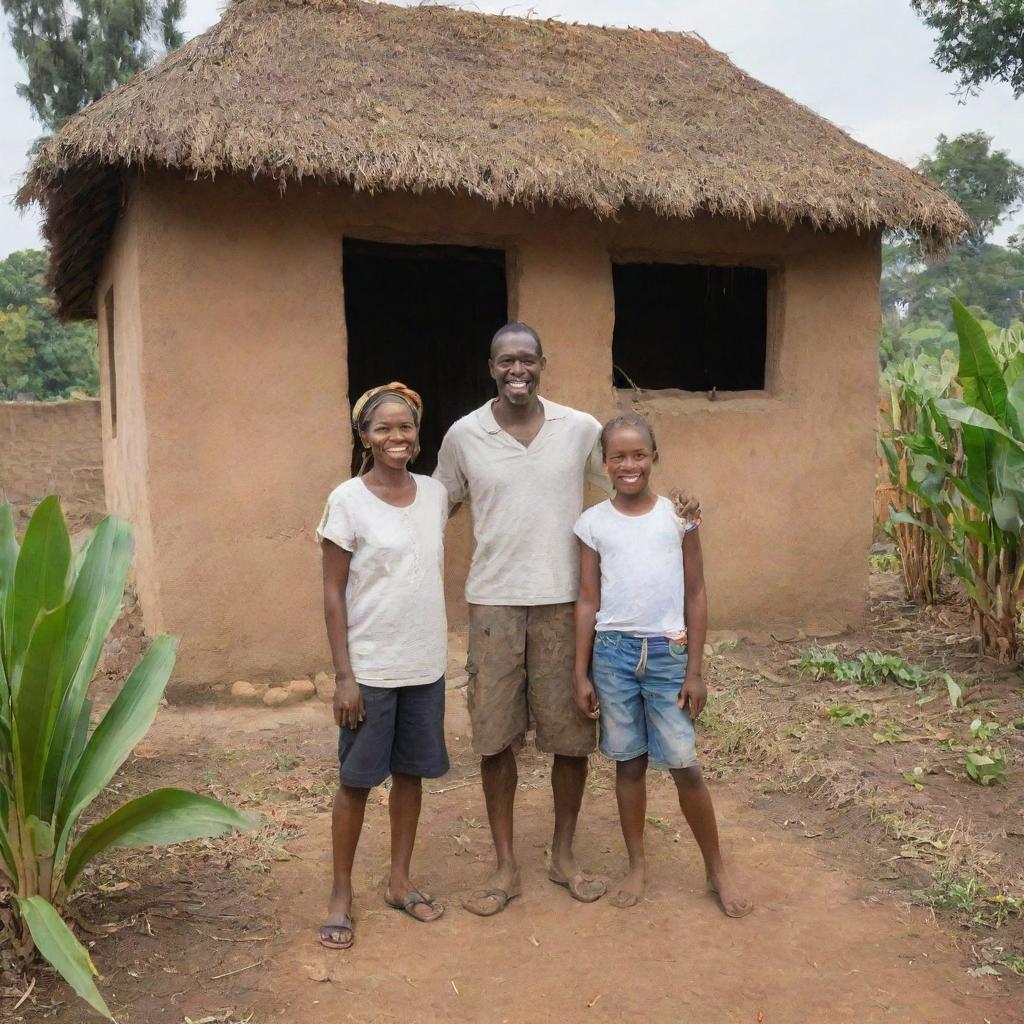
[(1015, 407), (124, 724), (156, 819), (93, 608), (40, 577), (8, 554), (36, 701), (980, 375), (55, 940), (963, 413), (978, 451)]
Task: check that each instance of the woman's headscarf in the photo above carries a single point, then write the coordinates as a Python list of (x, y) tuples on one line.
[(369, 400)]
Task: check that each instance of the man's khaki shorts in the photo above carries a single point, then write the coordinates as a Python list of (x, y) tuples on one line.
[(520, 663)]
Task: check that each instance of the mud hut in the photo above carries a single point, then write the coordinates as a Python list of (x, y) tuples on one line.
[(313, 196)]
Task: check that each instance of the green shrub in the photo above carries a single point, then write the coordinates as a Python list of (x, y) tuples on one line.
[(56, 610)]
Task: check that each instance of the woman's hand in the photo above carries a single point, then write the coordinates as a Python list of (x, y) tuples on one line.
[(586, 698), (348, 701), (694, 693)]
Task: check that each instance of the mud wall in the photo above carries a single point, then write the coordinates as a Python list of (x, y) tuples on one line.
[(242, 384), (52, 448)]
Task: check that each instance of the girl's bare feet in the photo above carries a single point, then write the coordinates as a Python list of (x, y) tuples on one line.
[(631, 888), (730, 899)]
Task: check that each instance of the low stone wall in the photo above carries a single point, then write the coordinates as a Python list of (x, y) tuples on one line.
[(53, 448)]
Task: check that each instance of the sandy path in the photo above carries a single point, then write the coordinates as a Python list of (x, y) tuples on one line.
[(819, 948)]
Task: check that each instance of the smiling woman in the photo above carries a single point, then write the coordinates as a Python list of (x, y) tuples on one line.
[(383, 555)]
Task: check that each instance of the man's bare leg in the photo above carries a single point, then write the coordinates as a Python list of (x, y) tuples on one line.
[(568, 780), (695, 803), (500, 776)]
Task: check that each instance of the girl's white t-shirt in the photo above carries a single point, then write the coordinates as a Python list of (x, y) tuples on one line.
[(642, 589), (397, 629)]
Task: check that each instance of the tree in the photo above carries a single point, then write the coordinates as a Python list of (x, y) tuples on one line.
[(915, 290), (979, 40), (40, 356), (986, 183), (76, 50)]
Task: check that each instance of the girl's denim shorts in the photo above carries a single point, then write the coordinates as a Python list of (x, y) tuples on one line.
[(638, 680)]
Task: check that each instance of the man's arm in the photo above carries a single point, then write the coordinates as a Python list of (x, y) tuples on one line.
[(449, 472), (348, 701), (587, 605), (694, 691)]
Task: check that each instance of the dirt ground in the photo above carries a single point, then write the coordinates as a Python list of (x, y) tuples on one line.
[(876, 900)]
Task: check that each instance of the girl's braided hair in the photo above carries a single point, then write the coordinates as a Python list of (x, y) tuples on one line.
[(627, 419)]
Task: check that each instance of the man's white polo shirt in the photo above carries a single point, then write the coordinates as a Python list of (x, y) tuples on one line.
[(524, 502)]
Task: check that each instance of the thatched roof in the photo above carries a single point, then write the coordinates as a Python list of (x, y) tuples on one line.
[(507, 109)]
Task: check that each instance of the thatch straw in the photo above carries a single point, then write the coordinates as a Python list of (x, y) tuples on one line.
[(507, 109)]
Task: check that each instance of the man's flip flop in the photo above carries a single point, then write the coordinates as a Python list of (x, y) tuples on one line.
[(413, 898), (582, 888), (337, 923), (477, 903)]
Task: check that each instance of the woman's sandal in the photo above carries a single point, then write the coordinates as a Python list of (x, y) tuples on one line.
[(337, 923), (414, 898)]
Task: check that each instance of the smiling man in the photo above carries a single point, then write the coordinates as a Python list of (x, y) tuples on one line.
[(522, 463)]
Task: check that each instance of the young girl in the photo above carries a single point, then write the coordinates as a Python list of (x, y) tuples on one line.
[(383, 553), (637, 559)]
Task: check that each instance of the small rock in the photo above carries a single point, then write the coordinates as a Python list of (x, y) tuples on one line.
[(276, 696), (301, 689), (243, 690), (324, 684)]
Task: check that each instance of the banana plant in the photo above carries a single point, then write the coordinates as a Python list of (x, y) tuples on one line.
[(912, 446), (973, 470), (56, 609)]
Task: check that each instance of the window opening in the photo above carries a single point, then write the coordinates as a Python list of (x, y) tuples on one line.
[(690, 327)]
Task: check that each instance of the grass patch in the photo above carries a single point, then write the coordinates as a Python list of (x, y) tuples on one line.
[(970, 899)]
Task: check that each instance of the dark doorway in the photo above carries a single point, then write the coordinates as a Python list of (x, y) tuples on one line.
[(690, 327), (424, 315)]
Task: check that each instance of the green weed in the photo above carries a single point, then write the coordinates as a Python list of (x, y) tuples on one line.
[(846, 714), (975, 901), (872, 668), (885, 561)]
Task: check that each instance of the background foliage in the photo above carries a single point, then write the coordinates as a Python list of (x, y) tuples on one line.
[(916, 289), (74, 51), (40, 357), (979, 40)]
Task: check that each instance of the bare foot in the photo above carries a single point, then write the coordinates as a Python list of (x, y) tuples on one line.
[(493, 896), (631, 888), (565, 871), (731, 900)]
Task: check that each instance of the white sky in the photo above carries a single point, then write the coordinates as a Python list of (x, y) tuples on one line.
[(864, 64)]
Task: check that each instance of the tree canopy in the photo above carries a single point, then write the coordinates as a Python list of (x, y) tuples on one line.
[(915, 290), (39, 356), (76, 50), (978, 40), (985, 182)]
